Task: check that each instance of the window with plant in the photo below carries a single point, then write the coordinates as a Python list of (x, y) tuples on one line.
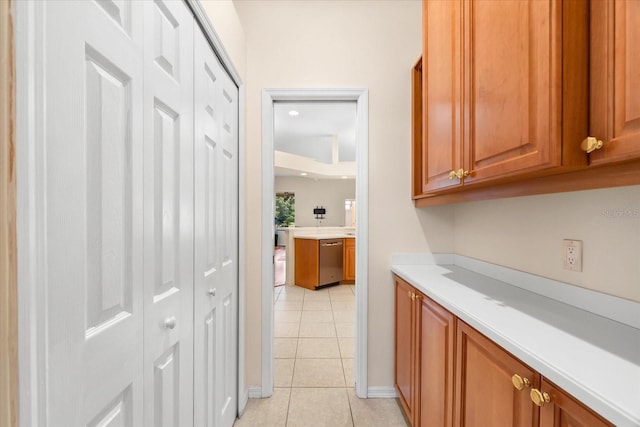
[(285, 209)]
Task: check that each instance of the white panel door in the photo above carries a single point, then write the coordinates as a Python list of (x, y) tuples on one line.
[(168, 214), (216, 240), (92, 211)]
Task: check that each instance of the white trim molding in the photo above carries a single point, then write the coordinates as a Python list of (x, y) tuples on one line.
[(361, 97), (382, 392)]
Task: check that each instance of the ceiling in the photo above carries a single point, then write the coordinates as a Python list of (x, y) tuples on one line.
[(312, 131)]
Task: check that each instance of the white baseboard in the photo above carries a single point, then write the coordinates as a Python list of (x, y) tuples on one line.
[(381, 392), (255, 392)]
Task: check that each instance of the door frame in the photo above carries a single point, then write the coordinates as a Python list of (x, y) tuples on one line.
[(361, 97), (8, 264), (29, 92)]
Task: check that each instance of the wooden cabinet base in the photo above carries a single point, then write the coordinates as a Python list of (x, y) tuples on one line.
[(306, 263), (485, 395), (563, 410), (448, 374)]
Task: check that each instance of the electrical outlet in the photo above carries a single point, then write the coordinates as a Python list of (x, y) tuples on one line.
[(572, 254)]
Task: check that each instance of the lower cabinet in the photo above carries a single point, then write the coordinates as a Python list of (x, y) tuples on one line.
[(485, 394), (405, 339), (564, 410), (349, 263), (449, 374), (435, 344), (425, 341)]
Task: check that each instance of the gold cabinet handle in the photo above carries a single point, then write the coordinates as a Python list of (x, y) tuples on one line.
[(409, 294), (519, 382), (539, 398), (453, 175), (462, 173), (413, 296), (591, 143)]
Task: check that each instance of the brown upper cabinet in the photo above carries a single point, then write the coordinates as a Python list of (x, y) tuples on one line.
[(495, 100), (615, 80), (509, 91)]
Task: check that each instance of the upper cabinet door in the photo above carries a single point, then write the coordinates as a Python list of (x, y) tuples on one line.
[(512, 87), (442, 92), (615, 79)]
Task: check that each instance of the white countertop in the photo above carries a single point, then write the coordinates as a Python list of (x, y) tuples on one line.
[(325, 236), (592, 357)]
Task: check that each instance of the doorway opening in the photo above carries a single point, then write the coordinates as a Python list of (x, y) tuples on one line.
[(327, 162)]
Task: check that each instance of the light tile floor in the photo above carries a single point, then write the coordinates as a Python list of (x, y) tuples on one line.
[(314, 366)]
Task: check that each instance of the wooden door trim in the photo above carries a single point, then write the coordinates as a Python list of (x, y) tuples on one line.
[(8, 246)]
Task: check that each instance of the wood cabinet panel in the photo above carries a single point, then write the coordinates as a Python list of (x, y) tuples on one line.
[(416, 129), (405, 372), (306, 263), (615, 79), (436, 342), (485, 395), (447, 373), (505, 97), (442, 90), (513, 77), (349, 263), (565, 411)]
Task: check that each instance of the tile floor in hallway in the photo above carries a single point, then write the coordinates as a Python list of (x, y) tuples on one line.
[(314, 366)]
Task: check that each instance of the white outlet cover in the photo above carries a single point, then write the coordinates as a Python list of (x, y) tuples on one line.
[(572, 254)]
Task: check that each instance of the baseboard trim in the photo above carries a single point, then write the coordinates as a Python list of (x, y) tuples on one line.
[(381, 393), (255, 392)]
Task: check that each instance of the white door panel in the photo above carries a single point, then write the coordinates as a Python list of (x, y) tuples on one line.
[(216, 240), (138, 297), (168, 214), (93, 213)]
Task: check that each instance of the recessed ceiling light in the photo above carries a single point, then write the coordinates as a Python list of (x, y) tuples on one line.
[(293, 113), (303, 173), (344, 177)]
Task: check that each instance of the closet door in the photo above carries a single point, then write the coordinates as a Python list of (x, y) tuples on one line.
[(168, 213), (216, 240), (90, 203)]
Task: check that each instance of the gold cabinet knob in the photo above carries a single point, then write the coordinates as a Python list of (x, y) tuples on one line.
[(409, 294), (462, 173), (591, 143), (453, 175), (539, 398), (520, 383), (413, 296)]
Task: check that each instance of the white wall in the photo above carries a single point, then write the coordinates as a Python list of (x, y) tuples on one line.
[(526, 234), (328, 193), (227, 25), (373, 44), (336, 44)]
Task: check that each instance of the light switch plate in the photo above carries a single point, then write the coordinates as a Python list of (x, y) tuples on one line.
[(572, 254)]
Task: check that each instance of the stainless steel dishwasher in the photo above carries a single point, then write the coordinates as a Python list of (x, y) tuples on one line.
[(330, 263)]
